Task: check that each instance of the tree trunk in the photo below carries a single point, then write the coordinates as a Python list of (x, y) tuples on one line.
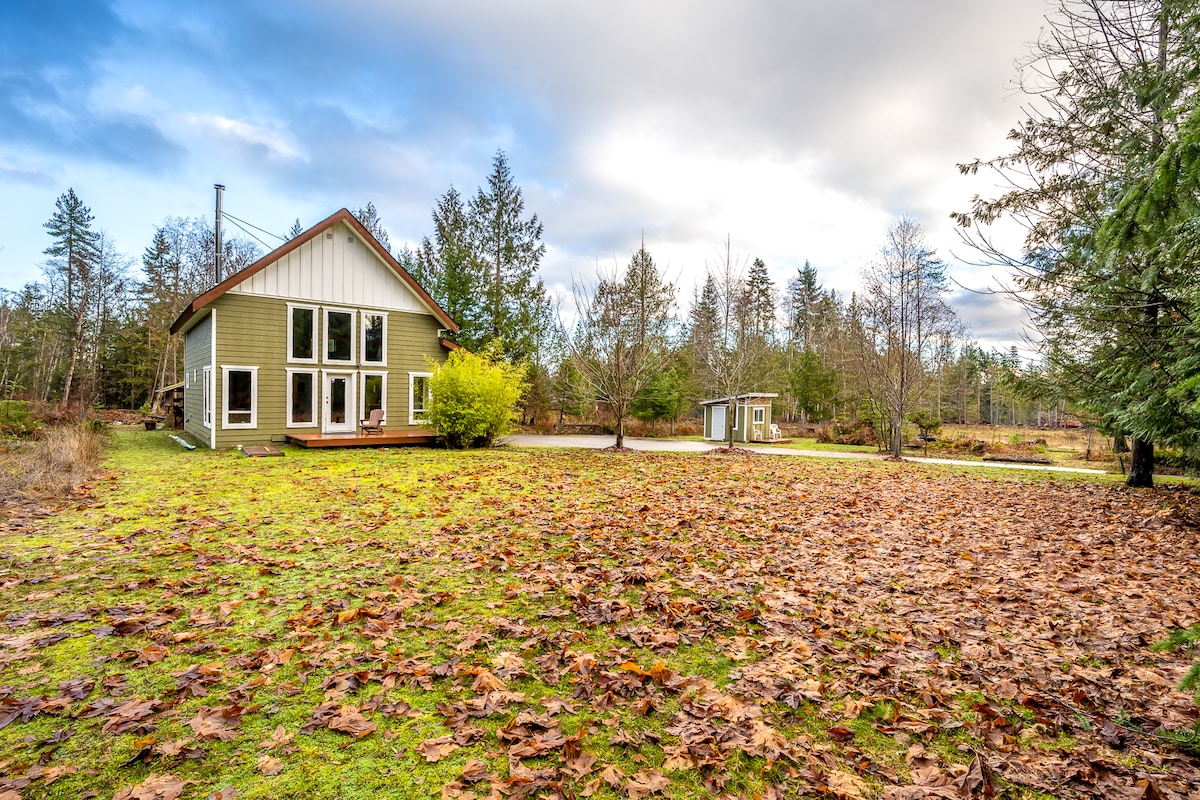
[(1141, 464), (729, 423), (76, 344)]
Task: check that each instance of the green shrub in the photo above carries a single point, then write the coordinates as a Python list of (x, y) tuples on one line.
[(1186, 640), (16, 418), (473, 398)]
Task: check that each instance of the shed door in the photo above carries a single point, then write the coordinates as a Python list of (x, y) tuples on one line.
[(718, 422)]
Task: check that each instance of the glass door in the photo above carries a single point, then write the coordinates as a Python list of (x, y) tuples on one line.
[(339, 403)]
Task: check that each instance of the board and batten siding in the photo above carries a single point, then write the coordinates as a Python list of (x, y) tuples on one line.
[(197, 354), (335, 268), (253, 333)]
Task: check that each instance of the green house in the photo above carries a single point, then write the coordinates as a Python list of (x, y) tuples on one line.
[(310, 339), (751, 417)]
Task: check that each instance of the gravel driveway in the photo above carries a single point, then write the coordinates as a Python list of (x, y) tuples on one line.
[(686, 446)]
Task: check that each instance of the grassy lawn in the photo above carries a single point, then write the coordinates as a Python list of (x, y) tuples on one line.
[(400, 623)]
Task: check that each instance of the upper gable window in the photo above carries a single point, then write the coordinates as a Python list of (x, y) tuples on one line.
[(339, 337), (302, 333), (374, 338)]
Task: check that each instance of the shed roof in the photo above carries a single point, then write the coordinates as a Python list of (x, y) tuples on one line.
[(746, 396), (270, 258)]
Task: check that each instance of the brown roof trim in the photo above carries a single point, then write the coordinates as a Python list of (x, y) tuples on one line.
[(270, 258), (449, 345)]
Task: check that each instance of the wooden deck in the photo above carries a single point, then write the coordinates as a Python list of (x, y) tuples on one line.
[(389, 438)]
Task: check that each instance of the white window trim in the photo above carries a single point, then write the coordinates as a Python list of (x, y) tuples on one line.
[(187, 380), (207, 392), (316, 340), (225, 423), (412, 419), (362, 324), (316, 388), (325, 338), (362, 392), (760, 412)]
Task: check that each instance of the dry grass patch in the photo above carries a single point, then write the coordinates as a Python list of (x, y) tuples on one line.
[(52, 465)]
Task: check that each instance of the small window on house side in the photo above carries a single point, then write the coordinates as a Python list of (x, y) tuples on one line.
[(208, 397), (418, 397), (760, 415), (240, 386)]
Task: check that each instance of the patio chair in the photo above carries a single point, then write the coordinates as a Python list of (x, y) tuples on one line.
[(776, 434), (374, 423)]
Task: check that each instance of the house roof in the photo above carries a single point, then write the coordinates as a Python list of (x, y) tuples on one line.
[(746, 396), (270, 258)]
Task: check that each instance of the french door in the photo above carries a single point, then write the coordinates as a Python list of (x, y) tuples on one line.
[(338, 403)]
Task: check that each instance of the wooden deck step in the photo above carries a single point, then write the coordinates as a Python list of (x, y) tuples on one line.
[(408, 436)]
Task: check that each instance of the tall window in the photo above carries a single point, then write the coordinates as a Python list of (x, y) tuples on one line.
[(240, 393), (208, 396), (339, 337), (374, 338), (418, 397), (302, 333), (302, 398), (374, 393)]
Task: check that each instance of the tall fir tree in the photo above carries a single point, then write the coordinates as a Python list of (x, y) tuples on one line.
[(73, 258), (452, 272), (759, 301), (516, 311), (1111, 79)]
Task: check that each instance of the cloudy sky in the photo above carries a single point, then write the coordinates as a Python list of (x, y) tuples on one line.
[(799, 128)]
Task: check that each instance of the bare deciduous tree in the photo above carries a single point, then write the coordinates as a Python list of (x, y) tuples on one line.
[(620, 337), (730, 352), (904, 319)]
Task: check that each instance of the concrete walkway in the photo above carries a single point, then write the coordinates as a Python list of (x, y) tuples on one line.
[(686, 446)]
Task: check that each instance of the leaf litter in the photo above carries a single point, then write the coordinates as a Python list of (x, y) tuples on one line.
[(628, 625)]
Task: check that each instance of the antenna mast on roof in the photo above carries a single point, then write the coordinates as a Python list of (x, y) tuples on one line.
[(217, 261)]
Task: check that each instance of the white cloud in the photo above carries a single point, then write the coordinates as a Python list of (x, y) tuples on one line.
[(261, 138)]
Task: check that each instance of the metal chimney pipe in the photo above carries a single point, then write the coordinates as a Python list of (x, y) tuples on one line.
[(217, 261)]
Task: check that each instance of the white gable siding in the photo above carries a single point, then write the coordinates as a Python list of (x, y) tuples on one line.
[(337, 269)]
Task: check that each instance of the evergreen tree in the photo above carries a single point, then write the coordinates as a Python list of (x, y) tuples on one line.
[(73, 257), (802, 306), (296, 229), (1112, 81), (368, 215), (452, 272), (813, 386), (759, 302), (515, 310)]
